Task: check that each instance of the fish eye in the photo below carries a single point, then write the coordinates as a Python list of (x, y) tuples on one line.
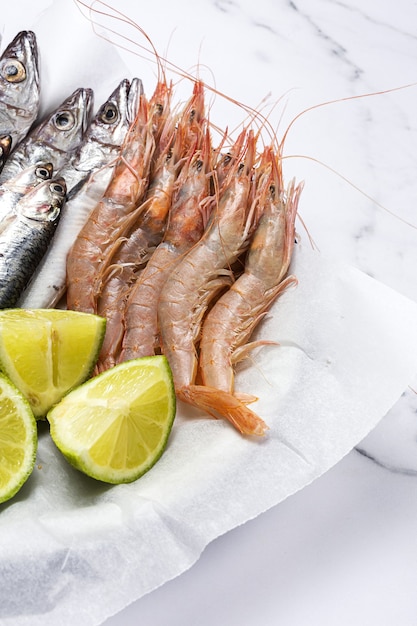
[(109, 113), (57, 188), (13, 71), (64, 120), (43, 173)]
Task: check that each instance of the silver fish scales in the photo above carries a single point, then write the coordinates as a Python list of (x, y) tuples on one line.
[(12, 190), (87, 177), (19, 86), (27, 237), (55, 138)]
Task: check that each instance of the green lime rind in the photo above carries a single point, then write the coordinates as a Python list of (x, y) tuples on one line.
[(48, 352), (18, 439), (116, 426)]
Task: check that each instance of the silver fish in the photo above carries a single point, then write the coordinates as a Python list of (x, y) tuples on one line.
[(27, 237), (104, 135), (19, 86), (13, 189), (55, 137), (86, 182)]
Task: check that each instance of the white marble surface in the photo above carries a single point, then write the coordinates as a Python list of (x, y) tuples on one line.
[(344, 549)]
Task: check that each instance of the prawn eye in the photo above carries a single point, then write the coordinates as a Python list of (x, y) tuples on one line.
[(64, 120), (159, 109), (13, 71), (272, 190), (43, 173), (199, 164), (109, 113)]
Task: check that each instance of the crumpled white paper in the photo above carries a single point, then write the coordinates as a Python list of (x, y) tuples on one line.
[(73, 550)]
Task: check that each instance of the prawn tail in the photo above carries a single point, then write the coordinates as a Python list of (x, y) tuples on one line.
[(217, 403)]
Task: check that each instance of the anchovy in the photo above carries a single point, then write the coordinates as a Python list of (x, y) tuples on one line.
[(27, 237), (104, 135), (19, 86), (55, 138), (12, 190), (86, 182)]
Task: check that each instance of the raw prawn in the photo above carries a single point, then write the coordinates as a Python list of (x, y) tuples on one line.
[(160, 114), (188, 218), (235, 315), (106, 222), (130, 253), (194, 282)]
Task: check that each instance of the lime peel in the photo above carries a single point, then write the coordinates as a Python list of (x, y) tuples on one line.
[(18, 439), (115, 426), (48, 352)]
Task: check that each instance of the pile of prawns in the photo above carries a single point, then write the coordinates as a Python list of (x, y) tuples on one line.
[(187, 250)]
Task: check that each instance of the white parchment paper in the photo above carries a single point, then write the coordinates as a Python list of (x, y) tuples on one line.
[(75, 551)]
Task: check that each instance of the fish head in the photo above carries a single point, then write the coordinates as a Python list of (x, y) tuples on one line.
[(110, 124), (29, 177), (19, 76), (66, 125), (44, 202)]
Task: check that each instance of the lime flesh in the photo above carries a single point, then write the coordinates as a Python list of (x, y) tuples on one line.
[(18, 439), (115, 426), (47, 352)]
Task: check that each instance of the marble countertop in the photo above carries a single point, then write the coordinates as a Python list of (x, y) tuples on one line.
[(343, 550)]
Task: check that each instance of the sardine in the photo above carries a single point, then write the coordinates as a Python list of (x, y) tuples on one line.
[(55, 138), (86, 182), (24, 242), (19, 86), (13, 189)]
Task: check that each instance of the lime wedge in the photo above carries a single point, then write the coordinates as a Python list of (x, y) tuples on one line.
[(47, 352), (115, 426), (18, 439)]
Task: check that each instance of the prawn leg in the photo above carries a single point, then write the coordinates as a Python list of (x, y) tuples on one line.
[(106, 222), (188, 216)]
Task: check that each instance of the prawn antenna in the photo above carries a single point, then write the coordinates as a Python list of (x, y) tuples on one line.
[(254, 115), (351, 184)]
